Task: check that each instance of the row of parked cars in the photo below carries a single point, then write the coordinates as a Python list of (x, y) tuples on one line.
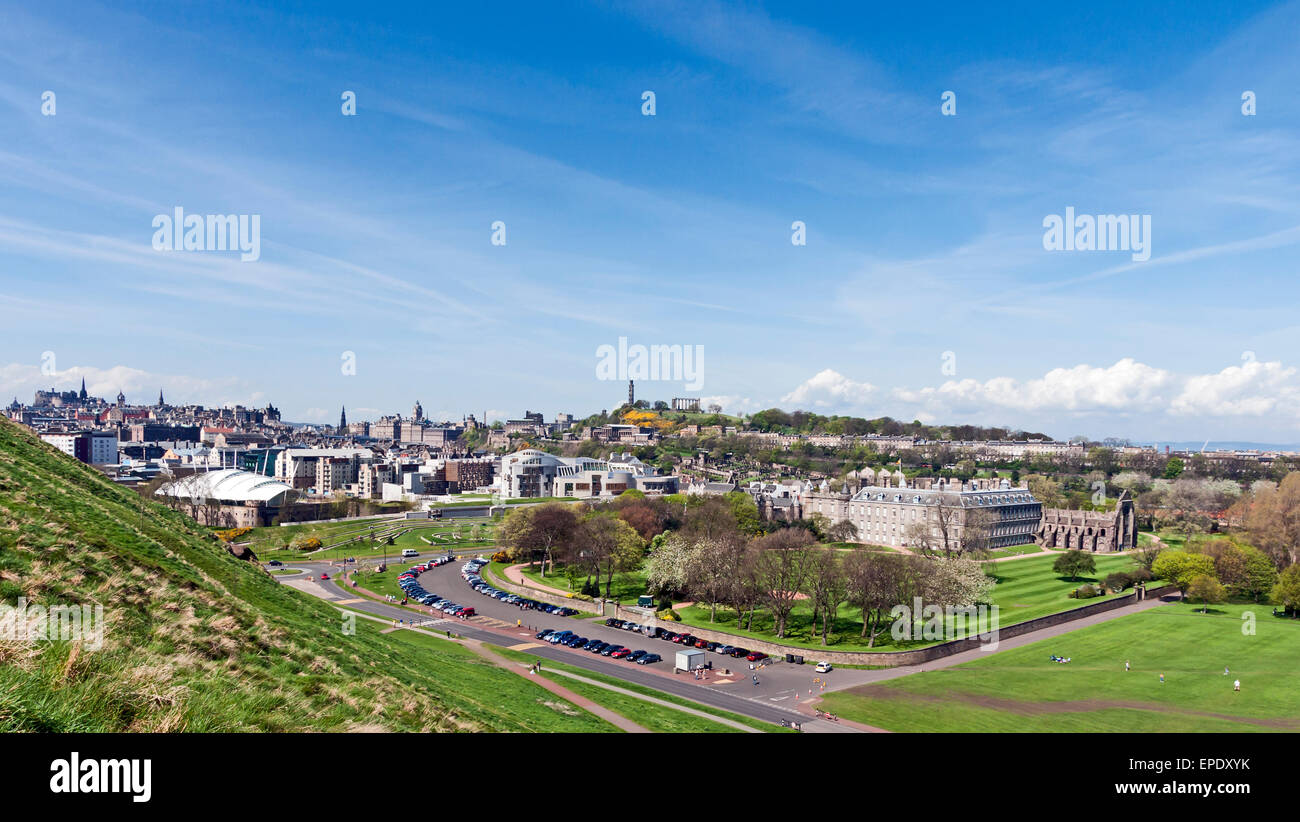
[(613, 650), (470, 572), (408, 581), (688, 641)]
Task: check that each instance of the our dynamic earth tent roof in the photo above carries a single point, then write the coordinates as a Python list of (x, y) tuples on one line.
[(228, 485)]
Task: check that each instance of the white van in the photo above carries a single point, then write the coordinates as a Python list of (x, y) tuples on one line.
[(410, 552)]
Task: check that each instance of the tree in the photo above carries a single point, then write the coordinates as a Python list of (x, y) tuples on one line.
[(1206, 590), (668, 569), (825, 586), (780, 568), (1074, 564), (877, 582), (843, 531), (545, 528), (1173, 468), (1045, 489), (1180, 568), (1274, 520), (609, 546), (1286, 592), (1260, 575), (956, 582)]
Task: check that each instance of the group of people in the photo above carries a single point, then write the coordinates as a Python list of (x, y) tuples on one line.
[(1062, 659)]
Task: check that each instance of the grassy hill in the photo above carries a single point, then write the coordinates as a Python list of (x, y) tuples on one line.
[(196, 640)]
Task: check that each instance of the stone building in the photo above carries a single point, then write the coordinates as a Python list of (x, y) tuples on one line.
[(1094, 531), (882, 505)]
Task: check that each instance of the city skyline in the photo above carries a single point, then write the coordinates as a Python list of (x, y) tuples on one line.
[(924, 290)]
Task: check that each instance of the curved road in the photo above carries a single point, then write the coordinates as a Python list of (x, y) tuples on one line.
[(774, 699)]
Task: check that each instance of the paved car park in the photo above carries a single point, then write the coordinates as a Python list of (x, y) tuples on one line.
[(775, 699)]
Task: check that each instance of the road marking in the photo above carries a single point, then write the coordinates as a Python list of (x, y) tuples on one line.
[(524, 646), (350, 601)]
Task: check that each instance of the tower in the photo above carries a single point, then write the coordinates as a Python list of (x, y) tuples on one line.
[(417, 413), (160, 398), (82, 396), (631, 392), (121, 399), (343, 419)]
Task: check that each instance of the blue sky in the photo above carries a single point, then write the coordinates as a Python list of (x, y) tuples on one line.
[(924, 232)]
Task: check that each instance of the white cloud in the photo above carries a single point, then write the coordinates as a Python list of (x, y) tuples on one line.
[(1127, 385), (829, 388), (1251, 389)]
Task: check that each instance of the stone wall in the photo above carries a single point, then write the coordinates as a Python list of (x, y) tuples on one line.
[(542, 596), (893, 659)]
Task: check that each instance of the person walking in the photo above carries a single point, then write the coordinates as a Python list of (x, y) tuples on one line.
[(1126, 666), (1162, 677), (1236, 685)]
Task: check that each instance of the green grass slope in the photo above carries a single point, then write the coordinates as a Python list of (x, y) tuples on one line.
[(196, 640)]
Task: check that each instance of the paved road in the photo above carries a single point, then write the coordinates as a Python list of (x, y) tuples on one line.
[(785, 691), (774, 699)]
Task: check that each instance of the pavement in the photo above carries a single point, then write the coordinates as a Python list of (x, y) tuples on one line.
[(782, 692)]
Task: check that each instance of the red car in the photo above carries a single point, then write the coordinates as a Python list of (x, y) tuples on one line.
[(756, 656), (465, 612), (701, 643), (324, 576), (620, 653)]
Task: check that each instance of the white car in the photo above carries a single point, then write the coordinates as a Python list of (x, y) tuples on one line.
[(824, 668)]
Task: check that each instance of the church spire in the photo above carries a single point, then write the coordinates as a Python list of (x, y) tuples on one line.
[(160, 398), (343, 419)]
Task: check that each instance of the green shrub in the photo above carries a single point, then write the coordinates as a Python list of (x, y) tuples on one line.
[(1084, 592), (1118, 581)]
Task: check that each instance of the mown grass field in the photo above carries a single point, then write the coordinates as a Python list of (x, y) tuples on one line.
[(196, 640), (1023, 690), (1027, 588)]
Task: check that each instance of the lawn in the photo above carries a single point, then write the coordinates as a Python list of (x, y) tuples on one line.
[(1026, 589), (625, 587), (1022, 690)]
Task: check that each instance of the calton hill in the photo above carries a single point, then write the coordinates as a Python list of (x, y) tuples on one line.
[(710, 562)]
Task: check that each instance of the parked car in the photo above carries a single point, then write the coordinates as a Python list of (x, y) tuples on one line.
[(544, 634), (598, 647), (701, 643), (824, 668), (756, 656), (649, 659), (611, 650), (738, 652), (635, 655)]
